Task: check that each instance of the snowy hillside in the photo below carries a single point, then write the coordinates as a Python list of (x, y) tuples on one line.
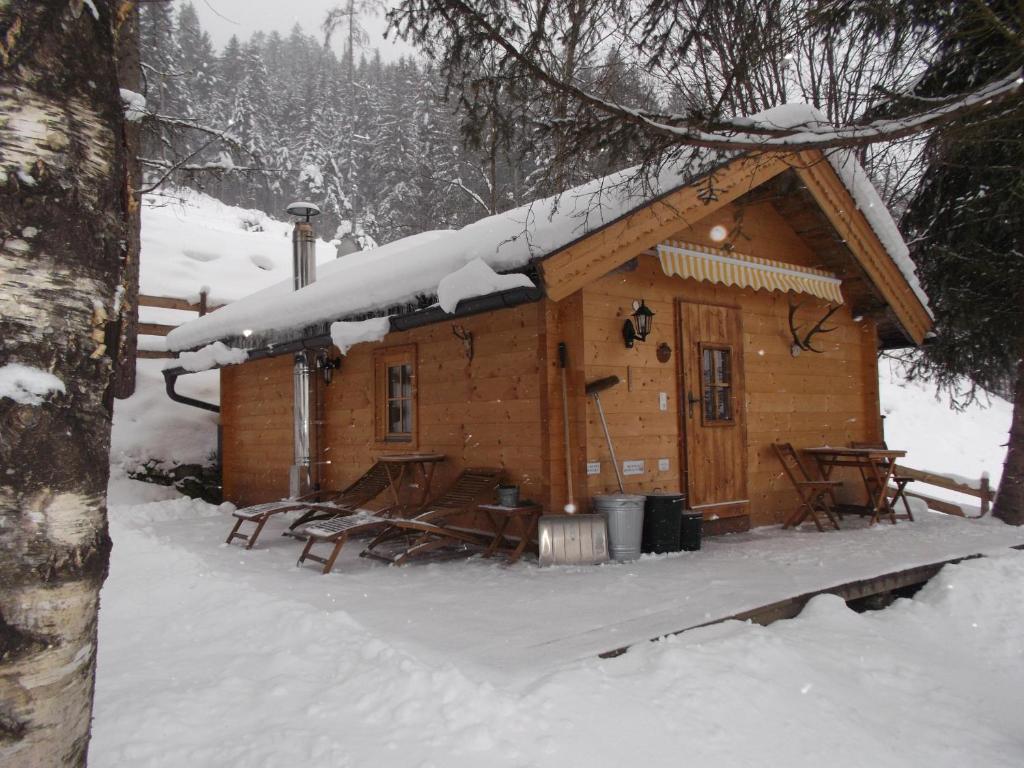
[(939, 439), (192, 241)]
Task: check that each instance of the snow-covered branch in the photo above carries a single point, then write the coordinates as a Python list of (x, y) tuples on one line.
[(735, 133)]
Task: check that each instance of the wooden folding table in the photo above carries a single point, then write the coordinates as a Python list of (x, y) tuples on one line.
[(876, 465), (500, 517), (400, 466)]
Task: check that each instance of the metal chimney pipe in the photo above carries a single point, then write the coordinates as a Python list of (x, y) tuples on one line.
[(300, 480)]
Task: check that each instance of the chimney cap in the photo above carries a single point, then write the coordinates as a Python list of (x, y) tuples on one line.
[(303, 209)]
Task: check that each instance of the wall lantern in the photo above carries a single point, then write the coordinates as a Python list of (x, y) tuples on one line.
[(327, 366), (639, 328)]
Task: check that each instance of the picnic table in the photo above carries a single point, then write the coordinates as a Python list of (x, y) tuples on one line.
[(877, 466), (500, 516), (399, 466)]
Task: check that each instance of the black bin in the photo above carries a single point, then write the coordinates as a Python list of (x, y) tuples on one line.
[(663, 516), (691, 530)]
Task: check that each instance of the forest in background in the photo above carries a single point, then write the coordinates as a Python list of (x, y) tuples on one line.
[(374, 143)]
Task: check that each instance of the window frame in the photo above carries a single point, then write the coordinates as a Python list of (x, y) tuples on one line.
[(383, 360), (717, 385)]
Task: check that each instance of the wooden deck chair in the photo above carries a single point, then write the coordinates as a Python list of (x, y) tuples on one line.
[(812, 492), (900, 481), (319, 505), (471, 488)]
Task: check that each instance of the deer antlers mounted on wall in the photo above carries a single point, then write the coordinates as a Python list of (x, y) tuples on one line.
[(799, 344)]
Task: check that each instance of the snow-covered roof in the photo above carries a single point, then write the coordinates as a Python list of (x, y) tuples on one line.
[(409, 269), (404, 270)]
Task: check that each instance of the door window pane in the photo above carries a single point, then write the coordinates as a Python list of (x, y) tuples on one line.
[(716, 382), (709, 404)]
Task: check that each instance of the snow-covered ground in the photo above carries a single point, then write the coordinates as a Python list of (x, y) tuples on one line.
[(213, 656), (938, 439)]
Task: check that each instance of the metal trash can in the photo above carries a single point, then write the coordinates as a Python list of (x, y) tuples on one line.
[(625, 515), (663, 522), (691, 530)]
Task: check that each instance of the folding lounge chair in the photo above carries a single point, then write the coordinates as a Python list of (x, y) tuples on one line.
[(812, 492), (901, 481), (330, 504), (471, 488)]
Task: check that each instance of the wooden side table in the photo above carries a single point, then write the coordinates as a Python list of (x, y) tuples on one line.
[(500, 517), (412, 464)]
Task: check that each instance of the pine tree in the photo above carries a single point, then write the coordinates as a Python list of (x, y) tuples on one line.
[(966, 224), (197, 62), (163, 68)]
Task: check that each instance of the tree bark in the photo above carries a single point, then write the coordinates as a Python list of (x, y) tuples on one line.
[(1009, 504), (63, 228), (126, 310)]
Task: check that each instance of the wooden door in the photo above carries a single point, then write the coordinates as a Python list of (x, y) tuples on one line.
[(713, 408)]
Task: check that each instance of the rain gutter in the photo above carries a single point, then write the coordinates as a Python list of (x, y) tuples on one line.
[(490, 302)]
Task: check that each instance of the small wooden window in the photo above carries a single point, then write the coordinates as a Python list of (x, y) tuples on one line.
[(395, 407), (716, 374)]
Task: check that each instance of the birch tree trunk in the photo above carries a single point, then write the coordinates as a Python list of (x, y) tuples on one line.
[(63, 213)]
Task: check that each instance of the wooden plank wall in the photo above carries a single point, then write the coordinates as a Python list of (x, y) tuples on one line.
[(807, 400), (256, 418), (484, 412)]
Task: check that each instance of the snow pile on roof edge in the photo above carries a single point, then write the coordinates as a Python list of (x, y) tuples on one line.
[(346, 335), (211, 356), (476, 279)]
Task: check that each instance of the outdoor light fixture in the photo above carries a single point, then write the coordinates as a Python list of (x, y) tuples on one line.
[(639, 327), (327, 366)]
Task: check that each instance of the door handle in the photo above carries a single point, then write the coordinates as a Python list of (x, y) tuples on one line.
[(690, 400)]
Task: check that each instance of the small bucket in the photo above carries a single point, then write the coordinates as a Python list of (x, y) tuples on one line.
[(508, 495)]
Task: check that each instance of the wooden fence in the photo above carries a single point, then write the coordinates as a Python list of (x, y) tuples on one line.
[(161, 329), (983, 492)]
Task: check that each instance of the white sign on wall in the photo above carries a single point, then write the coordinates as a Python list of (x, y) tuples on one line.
[(663, 465), (632, 467), (593, 467)]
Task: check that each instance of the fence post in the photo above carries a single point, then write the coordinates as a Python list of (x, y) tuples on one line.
[(202, 302), (986, 493)]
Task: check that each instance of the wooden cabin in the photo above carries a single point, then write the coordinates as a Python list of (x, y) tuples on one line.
[(738, 261)]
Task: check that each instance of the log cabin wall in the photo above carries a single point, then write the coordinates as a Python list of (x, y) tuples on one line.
[(256, 418), (807, 400), (480, 412), (483, 412)]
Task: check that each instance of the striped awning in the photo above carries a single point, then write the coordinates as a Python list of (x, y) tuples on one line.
[(730, 268)]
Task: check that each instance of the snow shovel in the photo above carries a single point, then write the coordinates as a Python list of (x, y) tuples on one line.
[(595, 388), (571, 539)]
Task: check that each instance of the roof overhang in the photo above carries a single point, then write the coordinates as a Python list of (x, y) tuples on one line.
[(591, 257)]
